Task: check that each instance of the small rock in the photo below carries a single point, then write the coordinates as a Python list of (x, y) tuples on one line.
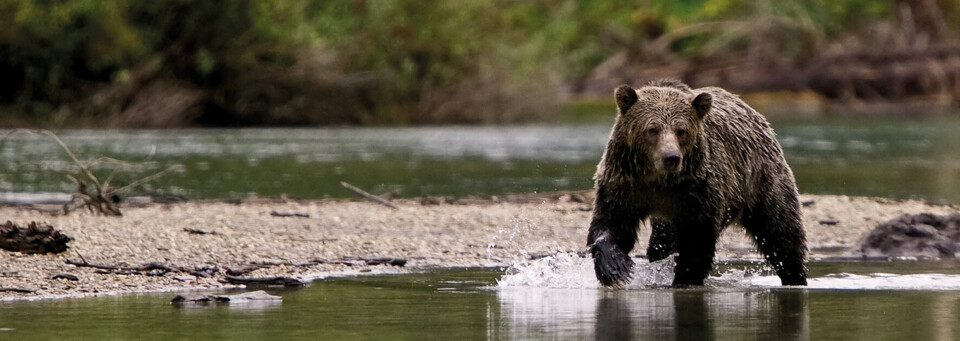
[(205, 272), (69, 277), (185, 278), (386, 260), (194, 298), (258, 295)]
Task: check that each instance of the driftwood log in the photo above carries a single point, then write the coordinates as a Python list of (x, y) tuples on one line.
[(35, 238)]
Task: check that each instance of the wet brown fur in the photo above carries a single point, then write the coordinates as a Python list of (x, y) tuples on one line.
[(731, 172)]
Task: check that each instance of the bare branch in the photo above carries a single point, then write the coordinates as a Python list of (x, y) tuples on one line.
[(368, 196)]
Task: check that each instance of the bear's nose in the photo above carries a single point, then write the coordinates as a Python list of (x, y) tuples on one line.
[(671, 160)]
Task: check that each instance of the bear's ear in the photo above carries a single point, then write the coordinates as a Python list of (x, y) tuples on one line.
[(626, 97), (702, 104)]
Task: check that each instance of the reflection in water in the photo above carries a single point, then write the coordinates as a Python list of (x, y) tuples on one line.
[(242, 306), (660, 314)]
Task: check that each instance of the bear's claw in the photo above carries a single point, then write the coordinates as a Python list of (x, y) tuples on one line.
[(613, 267)]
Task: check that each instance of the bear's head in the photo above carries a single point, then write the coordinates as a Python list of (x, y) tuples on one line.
[(662, 121)]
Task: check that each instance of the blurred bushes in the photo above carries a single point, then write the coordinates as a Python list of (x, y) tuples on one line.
[(245, 62)]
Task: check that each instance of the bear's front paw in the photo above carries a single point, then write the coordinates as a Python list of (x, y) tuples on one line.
[(613, 267)]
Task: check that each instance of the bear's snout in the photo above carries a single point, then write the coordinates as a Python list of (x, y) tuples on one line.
[(671, 161)]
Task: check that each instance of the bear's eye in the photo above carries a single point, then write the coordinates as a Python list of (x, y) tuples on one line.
[(653, 131), (681, 133)]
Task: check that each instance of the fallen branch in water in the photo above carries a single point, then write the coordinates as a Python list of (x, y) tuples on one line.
[(368, 196)]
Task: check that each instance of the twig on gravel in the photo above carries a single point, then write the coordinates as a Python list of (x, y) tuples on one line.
[(149, 269), (88, 265), (266, 281), (284, 215), (198, 231), (20, 290), (368, 196), (160, 269), (348, 261), (81, 257)]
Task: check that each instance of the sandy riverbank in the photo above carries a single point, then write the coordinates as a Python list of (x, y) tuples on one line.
[(474, 233)]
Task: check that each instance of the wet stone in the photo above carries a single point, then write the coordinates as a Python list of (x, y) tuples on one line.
[(914, 235), (258, 295)]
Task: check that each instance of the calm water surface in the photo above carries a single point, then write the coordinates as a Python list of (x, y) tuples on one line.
[(873, 157), (468, 304)]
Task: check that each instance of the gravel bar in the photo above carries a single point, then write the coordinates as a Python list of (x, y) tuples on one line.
[(204, 243)]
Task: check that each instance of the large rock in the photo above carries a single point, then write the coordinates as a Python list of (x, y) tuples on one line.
[(915, 235)]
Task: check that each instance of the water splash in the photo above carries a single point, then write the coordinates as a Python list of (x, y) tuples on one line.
[(562, 270), (569, 270)]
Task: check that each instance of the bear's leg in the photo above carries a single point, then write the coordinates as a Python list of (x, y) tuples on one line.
[(612, 235), (663, 241), (774, 223), (695, 251)]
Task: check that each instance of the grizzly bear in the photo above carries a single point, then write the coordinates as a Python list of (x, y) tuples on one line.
[(692, 162)]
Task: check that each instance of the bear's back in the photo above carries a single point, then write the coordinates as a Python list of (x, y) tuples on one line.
[(741, 139)]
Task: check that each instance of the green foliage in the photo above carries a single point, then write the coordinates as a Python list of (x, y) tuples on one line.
[(46, 47), (368, 61)]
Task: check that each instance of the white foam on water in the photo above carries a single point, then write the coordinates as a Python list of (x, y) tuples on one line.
[(566, 270), (875, 281)]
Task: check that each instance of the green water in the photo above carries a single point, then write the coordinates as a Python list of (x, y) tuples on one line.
[(465, 304), (917, 159)]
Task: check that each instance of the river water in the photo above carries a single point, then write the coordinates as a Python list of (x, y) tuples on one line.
[(875, 157), (846, 301), (551, 298)]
